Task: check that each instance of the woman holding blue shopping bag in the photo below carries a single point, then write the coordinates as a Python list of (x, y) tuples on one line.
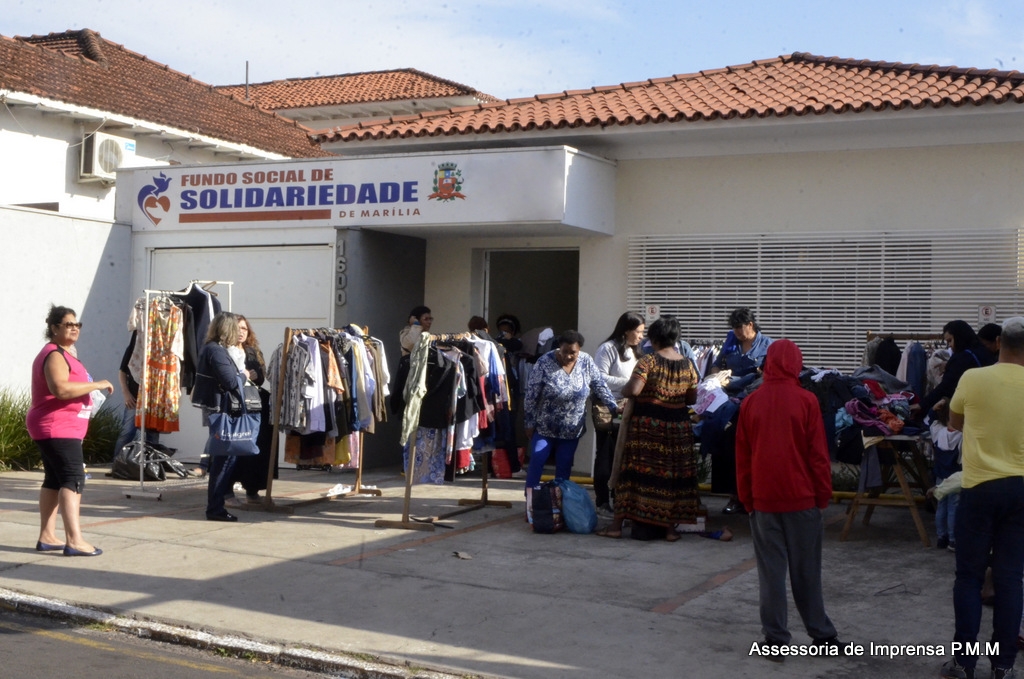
[(217, 377)]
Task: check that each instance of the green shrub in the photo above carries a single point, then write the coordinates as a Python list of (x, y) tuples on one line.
[(104, 428), (18, 451)]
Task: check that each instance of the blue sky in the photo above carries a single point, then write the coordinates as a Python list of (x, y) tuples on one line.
[(515, 48)]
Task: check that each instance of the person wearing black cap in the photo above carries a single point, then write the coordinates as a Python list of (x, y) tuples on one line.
[(508, 333)]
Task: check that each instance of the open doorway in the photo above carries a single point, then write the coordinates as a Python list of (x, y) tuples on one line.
[(540, 287)]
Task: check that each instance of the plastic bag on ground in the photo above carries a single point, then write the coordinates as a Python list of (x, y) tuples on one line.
[(578, 511)]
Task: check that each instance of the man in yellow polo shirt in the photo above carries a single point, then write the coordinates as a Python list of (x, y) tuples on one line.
[(987, 406)]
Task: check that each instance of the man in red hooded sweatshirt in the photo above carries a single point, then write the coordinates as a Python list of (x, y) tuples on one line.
[(784, 479)]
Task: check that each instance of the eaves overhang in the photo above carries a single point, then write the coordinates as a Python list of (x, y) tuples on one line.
[(113, 122), (848, 131)]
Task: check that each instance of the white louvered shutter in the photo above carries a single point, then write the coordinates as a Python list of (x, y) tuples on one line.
[(825, 291)]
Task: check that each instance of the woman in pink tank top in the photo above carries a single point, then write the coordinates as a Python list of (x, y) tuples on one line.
[(57, 422)]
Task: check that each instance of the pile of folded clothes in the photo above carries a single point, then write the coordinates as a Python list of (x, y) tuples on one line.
[(861, 409)]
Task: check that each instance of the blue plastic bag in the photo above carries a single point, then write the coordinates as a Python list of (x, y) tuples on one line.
[(578, 511)]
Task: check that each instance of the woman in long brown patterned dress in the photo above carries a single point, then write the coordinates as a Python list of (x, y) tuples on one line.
[(657, 483)]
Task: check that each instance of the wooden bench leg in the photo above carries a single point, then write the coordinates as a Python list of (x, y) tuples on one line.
[(912, 504), (851, 514)]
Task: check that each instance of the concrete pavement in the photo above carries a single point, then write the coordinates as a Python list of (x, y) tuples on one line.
[(325, 582)]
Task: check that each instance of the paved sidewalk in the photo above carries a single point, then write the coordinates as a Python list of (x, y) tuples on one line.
[(524, 605)]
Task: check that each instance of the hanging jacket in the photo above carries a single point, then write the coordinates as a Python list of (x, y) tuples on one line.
[(888, 355)]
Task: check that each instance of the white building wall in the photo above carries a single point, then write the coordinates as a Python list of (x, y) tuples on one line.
[(41, 153), (946, 187), (33, 167), (48, 148), (80, 263)]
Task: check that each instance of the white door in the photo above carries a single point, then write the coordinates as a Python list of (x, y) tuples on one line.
[(273, 287)]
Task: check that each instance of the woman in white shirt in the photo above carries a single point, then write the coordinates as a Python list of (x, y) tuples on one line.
[(615, 359)]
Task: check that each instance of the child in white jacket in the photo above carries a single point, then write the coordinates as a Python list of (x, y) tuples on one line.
[(946, 449)]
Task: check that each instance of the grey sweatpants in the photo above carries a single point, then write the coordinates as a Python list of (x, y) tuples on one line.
[(790, 542)]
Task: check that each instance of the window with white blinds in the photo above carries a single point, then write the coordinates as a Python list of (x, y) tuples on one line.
[(826, 291)]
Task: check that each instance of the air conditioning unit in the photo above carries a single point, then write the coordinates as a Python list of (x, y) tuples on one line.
[(102, 155)]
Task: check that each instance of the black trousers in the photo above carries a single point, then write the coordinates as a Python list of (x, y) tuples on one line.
[(723, 464), (251, 471), (603, 459)]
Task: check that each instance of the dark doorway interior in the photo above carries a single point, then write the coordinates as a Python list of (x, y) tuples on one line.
[(540, 287)]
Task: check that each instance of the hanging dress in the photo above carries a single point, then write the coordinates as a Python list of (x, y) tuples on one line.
[(160, 390)]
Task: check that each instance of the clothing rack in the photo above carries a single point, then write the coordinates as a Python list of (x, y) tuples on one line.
[(705, 342), (357, 487), (468, 504), (278, 395), (918, 336), (141, 406)]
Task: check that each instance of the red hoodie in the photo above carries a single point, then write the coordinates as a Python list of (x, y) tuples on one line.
[(782, 461)]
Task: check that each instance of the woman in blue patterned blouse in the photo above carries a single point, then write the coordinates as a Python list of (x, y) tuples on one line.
[(555, 405)]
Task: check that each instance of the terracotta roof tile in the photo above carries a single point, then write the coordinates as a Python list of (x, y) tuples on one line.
[(352, 88), (83, 69), (794, 85)]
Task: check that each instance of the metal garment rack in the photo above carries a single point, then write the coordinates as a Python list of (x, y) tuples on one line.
[(469, 504), (268, 499), (706, 342), (142, 491), (919, 336)]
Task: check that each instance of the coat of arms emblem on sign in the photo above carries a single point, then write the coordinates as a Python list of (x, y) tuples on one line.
[(447, 183)]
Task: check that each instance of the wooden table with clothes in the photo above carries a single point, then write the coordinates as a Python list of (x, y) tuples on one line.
[(897, 461)]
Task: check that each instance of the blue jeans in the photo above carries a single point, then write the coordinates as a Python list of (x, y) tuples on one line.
[(945, 515), (990, 519), (129, 431), (541, 448)]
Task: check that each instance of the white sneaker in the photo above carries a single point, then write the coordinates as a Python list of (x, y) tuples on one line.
[(605, 512)]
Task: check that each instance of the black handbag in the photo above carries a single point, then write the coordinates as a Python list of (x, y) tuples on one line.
[(156, 460), (251, 395)]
